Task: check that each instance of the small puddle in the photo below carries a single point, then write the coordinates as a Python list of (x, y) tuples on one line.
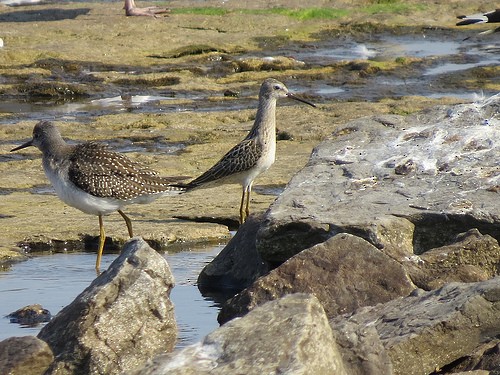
[(125, 145), (420, 47), (274, 189), (380, 48), (111, 104), (55, 280), (450, 68), (443, 49)]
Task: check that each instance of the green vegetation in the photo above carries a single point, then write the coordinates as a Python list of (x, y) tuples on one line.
[(208, 11), (384, 1), (377, 6), (391, 6), (302, 14)]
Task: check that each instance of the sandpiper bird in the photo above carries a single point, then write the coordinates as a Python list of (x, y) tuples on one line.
[(94, 179), (488, 17), (254, 154)]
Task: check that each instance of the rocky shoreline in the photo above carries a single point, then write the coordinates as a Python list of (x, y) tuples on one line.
[(356, 290), (380, 256)]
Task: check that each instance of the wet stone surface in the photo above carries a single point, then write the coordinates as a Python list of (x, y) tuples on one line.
[(31, 315)]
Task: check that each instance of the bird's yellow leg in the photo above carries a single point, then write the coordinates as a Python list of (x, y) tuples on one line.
[(102, 238), (128, 222), (242, 213), (247, 208)]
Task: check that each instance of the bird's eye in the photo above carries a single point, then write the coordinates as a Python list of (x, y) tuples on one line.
[(277, 87)]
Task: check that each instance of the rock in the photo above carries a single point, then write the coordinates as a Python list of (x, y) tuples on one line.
[(424, 332), (24, 356), (30, 315), (344, 273), (473, 257), (247, 346), (9, 257), (362, 350), (269, 63), (122, 319), (434, 173), (238, 265)]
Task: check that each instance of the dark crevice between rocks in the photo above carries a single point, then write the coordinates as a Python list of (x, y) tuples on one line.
[(483, 358), (231, 223), (360, 231), (289, 239), (434, 230)]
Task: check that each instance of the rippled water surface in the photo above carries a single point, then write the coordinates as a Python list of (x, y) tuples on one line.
[(55, 280)]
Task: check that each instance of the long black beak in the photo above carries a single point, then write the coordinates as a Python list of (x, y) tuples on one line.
[(292, 96), (24, 145)]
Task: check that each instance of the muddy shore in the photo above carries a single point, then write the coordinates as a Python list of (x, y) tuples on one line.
[(64, 53)]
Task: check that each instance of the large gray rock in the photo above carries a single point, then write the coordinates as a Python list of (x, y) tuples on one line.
[(24, 356), (427, 176), (344, 273), (424, 332), (287, 336), (122, 319)]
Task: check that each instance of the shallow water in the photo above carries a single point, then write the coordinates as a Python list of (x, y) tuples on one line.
[(445, 53), (55, 280)]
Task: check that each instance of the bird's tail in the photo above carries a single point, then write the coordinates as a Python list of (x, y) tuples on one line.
[(185, 187), (470, 20)]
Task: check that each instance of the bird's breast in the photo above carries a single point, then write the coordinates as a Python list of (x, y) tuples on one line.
[(73, 195)]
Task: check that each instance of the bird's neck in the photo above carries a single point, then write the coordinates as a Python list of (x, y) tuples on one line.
[(264, 126), (56, 149)]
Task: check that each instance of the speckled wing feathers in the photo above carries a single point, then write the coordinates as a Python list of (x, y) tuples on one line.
[(104, 173), (240, 158)]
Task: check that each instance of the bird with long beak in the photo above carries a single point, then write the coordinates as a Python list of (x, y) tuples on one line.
[(94, 179), (254, 154)]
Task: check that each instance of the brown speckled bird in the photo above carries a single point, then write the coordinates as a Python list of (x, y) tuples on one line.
[(95, 180), (254, 154)]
